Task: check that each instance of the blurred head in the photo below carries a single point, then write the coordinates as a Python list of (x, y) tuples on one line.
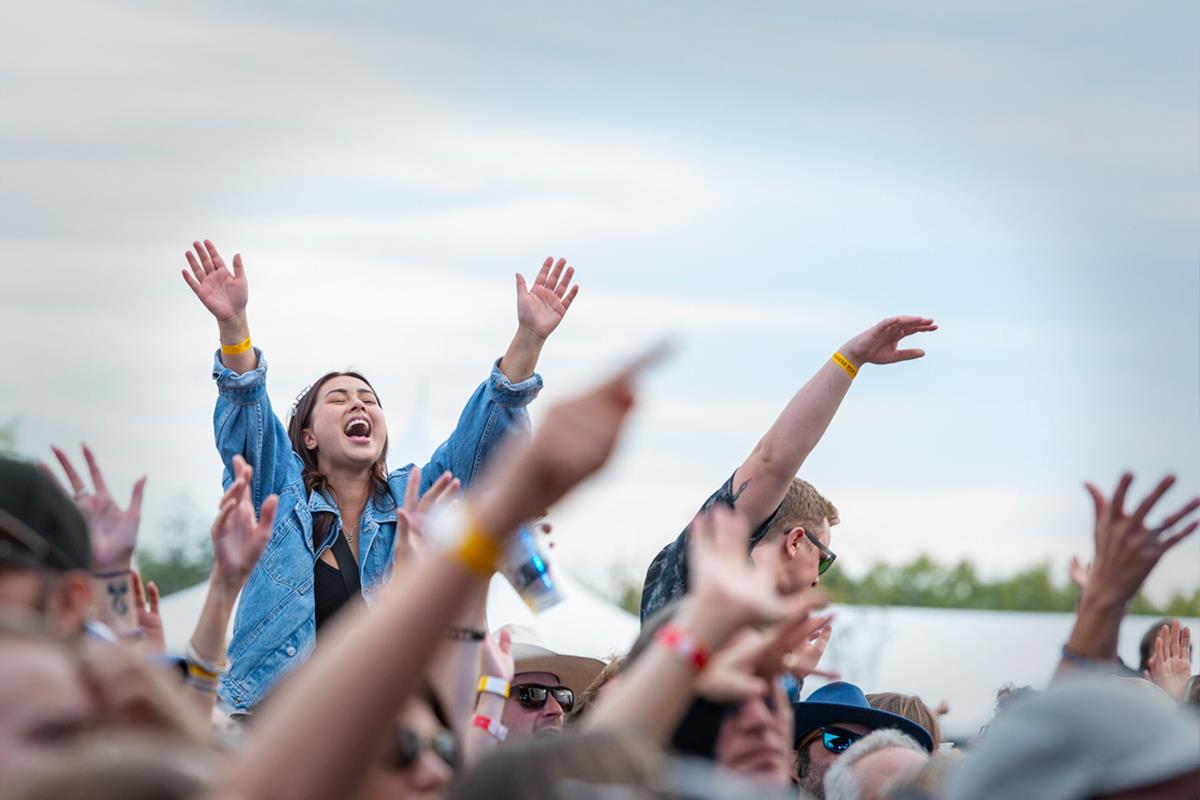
[(535, 705), (925, 780), (45, 705), (44, 551), (127, 768), (867, 768), (338, 426), (911, 707), (590, 764), (755, 740), (787, 548), (419, 757), (1086, 736)]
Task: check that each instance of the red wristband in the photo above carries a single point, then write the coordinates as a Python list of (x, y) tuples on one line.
[(683, 644), (492, 726)]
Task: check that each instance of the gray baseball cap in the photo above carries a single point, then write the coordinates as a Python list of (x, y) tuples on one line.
[(40, 527), (1088, 736)]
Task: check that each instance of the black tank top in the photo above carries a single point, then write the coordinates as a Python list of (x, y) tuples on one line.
[(334, 587)]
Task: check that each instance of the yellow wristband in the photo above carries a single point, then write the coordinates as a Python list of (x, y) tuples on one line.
[(838, 359), (197, 671), (476, 550), (236, 349)]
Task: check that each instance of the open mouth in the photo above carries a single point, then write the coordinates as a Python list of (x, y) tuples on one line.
[(358, 430)]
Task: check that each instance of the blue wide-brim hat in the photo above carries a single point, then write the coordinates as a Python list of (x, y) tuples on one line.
[(845, 702)]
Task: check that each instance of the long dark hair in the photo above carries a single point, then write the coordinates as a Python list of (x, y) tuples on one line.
[(314, 479)]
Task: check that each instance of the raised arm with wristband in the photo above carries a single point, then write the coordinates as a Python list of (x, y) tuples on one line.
[(790, 520)]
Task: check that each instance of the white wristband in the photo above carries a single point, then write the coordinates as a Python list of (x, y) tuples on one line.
[(493, 685)]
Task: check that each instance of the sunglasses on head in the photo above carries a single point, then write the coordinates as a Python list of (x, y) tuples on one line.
[(827, 555), (834, 739), (534, 695), (407, 745)]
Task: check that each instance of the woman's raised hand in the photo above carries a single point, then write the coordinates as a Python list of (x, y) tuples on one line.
[(238, 538), (412, 518), (541, 308), (222, 292)]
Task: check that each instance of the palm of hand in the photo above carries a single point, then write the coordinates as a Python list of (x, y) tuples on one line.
[(724, 573), (881, 344), (223, 294), (238, 542), (540, 310), (113, 532)]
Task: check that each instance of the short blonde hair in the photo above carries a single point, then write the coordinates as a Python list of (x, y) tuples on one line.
[(910, 707), (803, 506)]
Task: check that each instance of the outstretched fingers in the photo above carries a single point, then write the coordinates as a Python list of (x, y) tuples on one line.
[(570, 297), (217, 261), (205, 258), (1171, 541), (135, 499), (540, 280), (552, 281), (1144, 508), (1117, 507), (412, 488), (561, 288), (77, 485), (445, 485), (1180, 515), (266, 517), (94, 469), (152, 596)]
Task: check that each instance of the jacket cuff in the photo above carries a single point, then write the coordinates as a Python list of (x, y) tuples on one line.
[(245, 388), (512, 395)]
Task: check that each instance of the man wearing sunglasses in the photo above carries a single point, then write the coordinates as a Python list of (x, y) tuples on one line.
[(833, 718), (544, 686)]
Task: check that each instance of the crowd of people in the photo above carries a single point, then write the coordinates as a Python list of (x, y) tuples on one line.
[(362, 662)]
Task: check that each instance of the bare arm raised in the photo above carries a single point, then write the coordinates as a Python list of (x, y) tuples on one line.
[(225, 295), (761, 482)]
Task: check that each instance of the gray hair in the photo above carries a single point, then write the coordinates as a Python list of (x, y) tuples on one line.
[(840, 781)]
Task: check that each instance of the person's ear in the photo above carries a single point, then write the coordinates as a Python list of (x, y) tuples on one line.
[(792, 540), (310, 438), (71, 603)]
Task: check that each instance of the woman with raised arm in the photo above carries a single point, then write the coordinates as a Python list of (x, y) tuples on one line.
[(334, 531)]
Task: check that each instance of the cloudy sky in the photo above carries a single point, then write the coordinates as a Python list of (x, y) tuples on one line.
[(760, 185)]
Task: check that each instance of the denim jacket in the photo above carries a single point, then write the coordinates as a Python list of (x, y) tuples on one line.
[(275, 625)]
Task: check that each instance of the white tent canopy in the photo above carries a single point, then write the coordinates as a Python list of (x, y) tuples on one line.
[(582, 624)]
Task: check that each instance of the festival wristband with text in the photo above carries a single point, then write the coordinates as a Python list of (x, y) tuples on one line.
[(845, 364), (235, 349)]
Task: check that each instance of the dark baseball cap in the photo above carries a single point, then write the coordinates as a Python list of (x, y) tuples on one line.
[(39, 525)]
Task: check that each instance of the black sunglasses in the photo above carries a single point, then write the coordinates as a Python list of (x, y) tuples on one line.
[(835, 740), (827, 555), (407, 745), (534, 695)]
